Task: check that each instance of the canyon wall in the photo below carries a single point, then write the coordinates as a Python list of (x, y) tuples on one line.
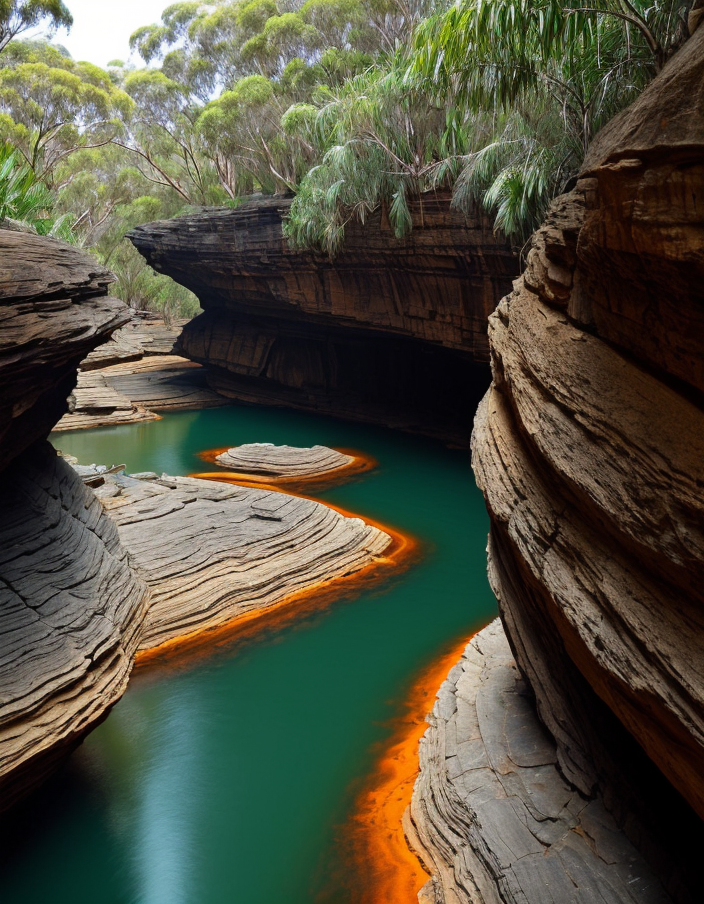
[(388, 331), (589, 449), (70, 605)]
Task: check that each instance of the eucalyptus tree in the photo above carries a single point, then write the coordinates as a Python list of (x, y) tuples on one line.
[(18, 16), (50, 106)]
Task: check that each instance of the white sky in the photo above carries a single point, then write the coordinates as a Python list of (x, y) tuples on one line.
[(101, 28)]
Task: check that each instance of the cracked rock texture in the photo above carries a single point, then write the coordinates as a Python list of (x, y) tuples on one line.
[(384, 332), (492, 816), (231, 549), (71, 610), (589, 449)]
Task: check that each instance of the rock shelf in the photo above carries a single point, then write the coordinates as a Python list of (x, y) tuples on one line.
[(289, 465), (493, 818), (231, 550)]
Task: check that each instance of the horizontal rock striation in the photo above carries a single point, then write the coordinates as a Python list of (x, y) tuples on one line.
[(268, 460), (231, 549), (589, 448), (53, 311), (385, 322), (71, 611), (492, 815)]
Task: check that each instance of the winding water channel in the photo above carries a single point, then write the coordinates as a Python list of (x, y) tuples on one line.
[(224, 781)]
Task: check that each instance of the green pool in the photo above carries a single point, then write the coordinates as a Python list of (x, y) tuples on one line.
[(224, 782)]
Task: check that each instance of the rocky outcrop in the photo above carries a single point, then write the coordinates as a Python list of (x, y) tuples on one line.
[(54, 310), (492, 815), (265, 460), (134, 391), (589, 448), (71, 608), (384, 332), (231, 549)]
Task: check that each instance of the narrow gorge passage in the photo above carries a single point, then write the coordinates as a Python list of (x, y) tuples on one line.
[(233, 776)]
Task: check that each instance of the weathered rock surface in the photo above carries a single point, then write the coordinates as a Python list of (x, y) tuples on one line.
[(385, 332), (133, 391), (268, 460), (492, 815), (53, 311), (231, 549), (71, 610), (142, 336), (589, 448)]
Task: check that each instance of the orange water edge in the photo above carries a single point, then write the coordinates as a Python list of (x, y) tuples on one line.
[(378, 865), (360, 464), (183, 651)]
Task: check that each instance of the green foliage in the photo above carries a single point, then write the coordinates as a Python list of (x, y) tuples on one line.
[(16, 16), (26, 200)]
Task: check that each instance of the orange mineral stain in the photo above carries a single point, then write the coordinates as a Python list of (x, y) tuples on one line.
[(378, 866), (182, 651), (361, 463)]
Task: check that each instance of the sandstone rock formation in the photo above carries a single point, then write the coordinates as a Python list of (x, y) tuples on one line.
[(134, 391), (54, 311), (385, 332), (71, 608), (265, 460), (492, 815), (589, 448), (231, 549)]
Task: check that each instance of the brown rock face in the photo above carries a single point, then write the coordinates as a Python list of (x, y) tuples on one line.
[(53, 311), (589, 448), (386, 332), (70, 606)]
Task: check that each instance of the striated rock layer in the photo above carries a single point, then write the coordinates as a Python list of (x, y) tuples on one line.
[(70, 606), (267, 460), (71, 611), (53, 311), (385, 332), (231, 549), (589, 448)]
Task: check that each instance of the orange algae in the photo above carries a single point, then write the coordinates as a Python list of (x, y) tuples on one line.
[(360, 464), (378, 865), (401, 552)]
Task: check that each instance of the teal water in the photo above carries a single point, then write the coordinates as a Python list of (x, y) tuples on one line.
[(224, 782)]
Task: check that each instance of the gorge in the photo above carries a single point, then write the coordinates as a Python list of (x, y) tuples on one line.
[(563, 758)]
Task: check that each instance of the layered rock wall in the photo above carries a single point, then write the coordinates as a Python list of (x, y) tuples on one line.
[(385, 332), (71, 608), (589, 448)]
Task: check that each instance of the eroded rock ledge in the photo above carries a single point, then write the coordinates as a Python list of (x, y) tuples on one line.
[(492, 815), (589, 448), (385, 332), (231, 549)]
